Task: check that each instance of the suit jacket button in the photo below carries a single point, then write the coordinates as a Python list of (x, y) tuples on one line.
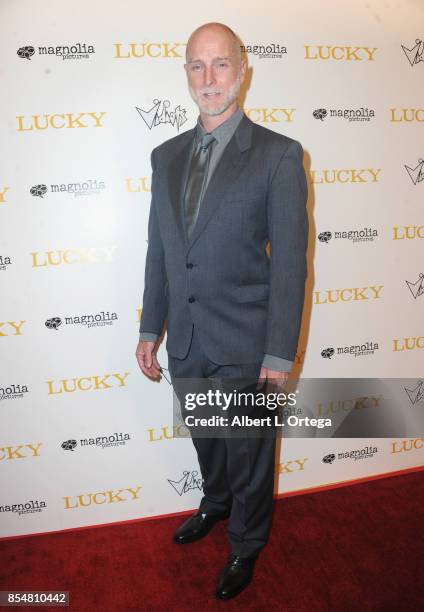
[(191, 299), (189, 265)]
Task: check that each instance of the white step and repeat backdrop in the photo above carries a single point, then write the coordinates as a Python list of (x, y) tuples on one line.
[(88, 90)]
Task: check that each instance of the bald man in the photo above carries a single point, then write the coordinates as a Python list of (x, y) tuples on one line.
[(221, 192)]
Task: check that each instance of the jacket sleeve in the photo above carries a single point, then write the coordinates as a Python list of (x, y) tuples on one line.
[(288, 237), (277, 363), (155, 303)]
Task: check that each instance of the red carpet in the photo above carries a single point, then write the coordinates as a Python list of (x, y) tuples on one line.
[(352, 548)]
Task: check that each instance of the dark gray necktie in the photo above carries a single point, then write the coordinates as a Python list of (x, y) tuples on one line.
[(197, 176)]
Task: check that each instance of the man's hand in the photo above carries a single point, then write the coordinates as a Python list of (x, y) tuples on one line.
[(147, 360), (275, 378)]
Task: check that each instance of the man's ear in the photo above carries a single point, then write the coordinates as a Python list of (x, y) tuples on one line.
[(243, 69)]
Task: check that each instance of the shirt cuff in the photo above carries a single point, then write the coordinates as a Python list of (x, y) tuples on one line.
[(148, 336), (277, 363)]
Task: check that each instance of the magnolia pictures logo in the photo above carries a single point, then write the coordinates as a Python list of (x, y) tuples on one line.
[(415, 54), (354, 350), (366, 234), (350, 114), (76, 51), (416, 287), (107, 441), (99, 319), (267, 51), (364, 453), (161, 113), (189, 481), (28, 507), (12, 392), (83, 188), (5, 261), (416, 174)]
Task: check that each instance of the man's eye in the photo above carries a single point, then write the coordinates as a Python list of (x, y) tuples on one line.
[(195, 67)]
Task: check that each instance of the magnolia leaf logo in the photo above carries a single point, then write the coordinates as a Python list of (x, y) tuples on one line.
[(320, 113), (69, 445), (329, 458), (38, 190), (53, 323), (26, 52), (325, 236)]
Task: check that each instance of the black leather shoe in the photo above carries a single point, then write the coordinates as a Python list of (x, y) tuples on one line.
[(235, 576), (197, 526)]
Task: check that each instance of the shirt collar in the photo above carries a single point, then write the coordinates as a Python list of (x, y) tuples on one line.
[(223, 132)]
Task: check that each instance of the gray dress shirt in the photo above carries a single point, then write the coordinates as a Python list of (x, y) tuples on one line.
[(223, 134)]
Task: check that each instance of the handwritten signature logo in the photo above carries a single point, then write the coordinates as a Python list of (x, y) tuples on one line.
[(417, 394), (416, 174), (416, 54), (161, 113), (416, 288), (188, 482)]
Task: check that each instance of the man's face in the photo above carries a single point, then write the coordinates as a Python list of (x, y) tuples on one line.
[(213, 72)]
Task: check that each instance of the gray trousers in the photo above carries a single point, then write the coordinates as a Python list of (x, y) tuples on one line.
[(238, 473)]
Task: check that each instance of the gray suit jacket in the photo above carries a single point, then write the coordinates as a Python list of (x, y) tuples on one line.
[(243, 302)]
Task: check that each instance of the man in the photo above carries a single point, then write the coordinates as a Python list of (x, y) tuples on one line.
[(220, 192)]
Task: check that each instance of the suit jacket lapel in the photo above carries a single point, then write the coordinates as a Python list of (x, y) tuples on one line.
[(177, 172)]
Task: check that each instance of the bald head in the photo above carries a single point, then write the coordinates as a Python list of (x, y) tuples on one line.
[(213, 33)]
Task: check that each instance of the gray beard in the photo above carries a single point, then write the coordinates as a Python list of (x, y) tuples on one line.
[(231, 97)]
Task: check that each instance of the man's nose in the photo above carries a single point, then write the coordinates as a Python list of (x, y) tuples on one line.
[(209, 75)]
